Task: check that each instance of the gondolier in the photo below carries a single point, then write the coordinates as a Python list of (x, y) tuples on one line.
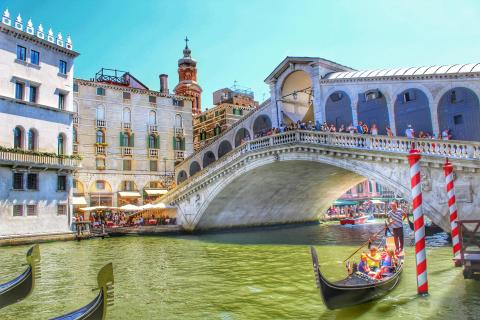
[(395, 221)]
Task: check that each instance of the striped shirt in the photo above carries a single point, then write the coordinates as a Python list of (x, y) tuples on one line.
[(396, 217)]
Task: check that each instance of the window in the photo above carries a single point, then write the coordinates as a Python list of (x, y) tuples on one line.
[(21, 53), (33, 94), (126, 96), (61, 209), (19, 89), (32, 181), (61, 144), (100, 91), (152, 99), (178, 143), (218, 130), (18, 138), (458, 119), (100, 163), (152, 117), (153, 142), (18, 181), (61, 101), (100, 185), (100, 112), (408, 96), (31, 210), (128, 186), (178, 121), (153, 165), (100, 136), (379, 187), (75, 87), (62, 67), (61, 183), (34, 57), (177, 103), (75, 135), (126, 115), (360, 188), (32, 140), (127, 165), (18, 210), (453, 97)]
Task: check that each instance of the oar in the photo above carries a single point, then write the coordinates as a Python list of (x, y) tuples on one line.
[(364, 244)]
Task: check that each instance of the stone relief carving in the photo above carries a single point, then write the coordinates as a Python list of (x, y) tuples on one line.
[(426, 179)]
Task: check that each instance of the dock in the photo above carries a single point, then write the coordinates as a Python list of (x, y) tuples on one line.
[(469, 257), (145, 230)]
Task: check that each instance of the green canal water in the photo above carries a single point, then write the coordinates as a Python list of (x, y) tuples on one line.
[(256, 274)]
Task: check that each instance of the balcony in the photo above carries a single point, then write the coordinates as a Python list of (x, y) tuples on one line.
[(153, 153), (179, 132), (179, 155), (100, 123), (100, 150), (33, 159), (152, 128), (126, 125), (76, 120), (127, 151)]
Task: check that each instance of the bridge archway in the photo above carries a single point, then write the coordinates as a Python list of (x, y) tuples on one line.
[(241, 135), (297, 99), (373, 109), (224, 148), (208, 158), (338, 109), (261, 124), (194, 168), (412, 108), (459, 111), (182, 176)]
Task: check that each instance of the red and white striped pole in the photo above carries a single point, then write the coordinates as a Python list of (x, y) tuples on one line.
[(452, 206), (419, 224)]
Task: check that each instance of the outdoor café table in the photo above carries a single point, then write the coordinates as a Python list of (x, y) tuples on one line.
[(109, 223), (152, 222)]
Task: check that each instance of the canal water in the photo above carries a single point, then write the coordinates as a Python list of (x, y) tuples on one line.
[(256, 274)]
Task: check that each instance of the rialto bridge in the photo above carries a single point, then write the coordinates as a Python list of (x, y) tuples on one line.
[(241, 180)]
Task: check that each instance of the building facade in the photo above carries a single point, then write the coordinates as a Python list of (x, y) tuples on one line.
[(230, 105), (36, 108), (130, 138), (187, 80)]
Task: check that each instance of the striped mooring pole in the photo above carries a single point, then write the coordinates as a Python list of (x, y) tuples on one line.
[(419, 224), (452, 206)]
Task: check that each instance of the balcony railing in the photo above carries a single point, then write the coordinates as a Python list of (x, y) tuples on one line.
[(127, 151), (178, 132), (153, 153), (100, 150), (152, 128), (179, 155), (76, 120), (126, 125), (16, 158), (101, 123)]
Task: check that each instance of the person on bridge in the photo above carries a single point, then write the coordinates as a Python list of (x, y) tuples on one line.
[(409, 132), (395, 219), (360, 127)]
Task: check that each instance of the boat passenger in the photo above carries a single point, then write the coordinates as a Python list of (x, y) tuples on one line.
[(388, 261), (374, 258), (363, 265)]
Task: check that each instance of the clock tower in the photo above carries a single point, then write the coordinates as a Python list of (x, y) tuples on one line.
[(187, 79)]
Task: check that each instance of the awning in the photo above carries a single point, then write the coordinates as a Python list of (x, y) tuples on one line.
[(94, 208), (375, 201), (129, 207), (344, 203), (129, 194), (156, 192), (79, 201)]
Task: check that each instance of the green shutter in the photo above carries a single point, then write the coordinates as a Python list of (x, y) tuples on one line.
[(121, 139), (183, 143), (174, 144), (132, 140), (157, 142)]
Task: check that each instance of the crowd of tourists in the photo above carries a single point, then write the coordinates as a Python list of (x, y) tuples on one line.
[(122, 219), (360, 128)]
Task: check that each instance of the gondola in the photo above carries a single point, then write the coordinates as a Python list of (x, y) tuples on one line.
[(97, 308), (20, 287), (430, 230), (354, 289)]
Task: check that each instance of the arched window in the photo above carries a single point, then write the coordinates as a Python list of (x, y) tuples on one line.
[(153, 142), (61, 144), (360, 188), (218, 130), (152, 117), (75, 107), (178, 121), (18, 138), (126, 115), (100, 136), (75, 135), (100, 113), (32, 140), (203, 135)]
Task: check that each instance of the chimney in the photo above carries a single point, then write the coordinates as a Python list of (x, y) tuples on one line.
[(163, 83)]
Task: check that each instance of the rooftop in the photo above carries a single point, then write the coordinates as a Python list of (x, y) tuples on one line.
[(29, 31)]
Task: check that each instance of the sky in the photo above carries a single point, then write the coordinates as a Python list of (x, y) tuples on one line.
[(245, 40)]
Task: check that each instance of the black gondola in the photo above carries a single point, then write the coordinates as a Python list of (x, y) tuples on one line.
[(97, 308), (354, 289), (20, 287), (430, 230)]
